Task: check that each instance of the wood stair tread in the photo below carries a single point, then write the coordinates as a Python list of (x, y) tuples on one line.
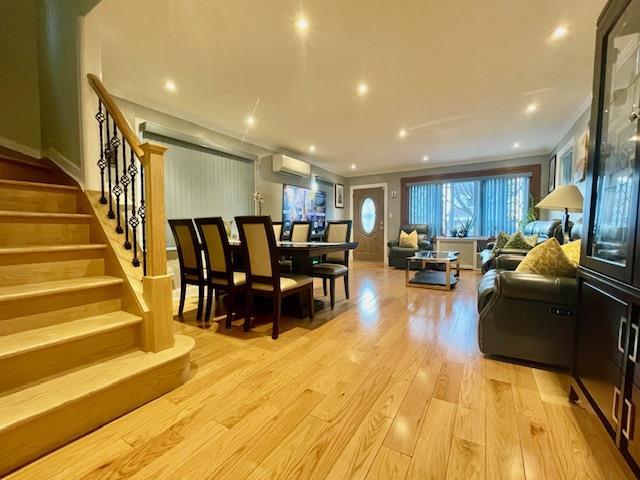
[(36, 185), (29, 340), (21, 406), (32, 290), (51, 248), (45, 215)]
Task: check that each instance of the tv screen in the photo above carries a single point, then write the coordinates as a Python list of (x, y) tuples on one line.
[(303, 204)]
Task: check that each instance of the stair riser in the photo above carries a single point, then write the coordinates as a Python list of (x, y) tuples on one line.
[(20, 234), (21, 274), (36, 199), (35, 437), (58, 359), (73, 312), (56, 301), (18, 171)]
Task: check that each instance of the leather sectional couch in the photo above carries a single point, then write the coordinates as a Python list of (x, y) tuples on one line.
[(398, 255)]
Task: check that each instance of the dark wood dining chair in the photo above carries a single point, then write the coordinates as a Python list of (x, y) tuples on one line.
[(336, 264), (191, 271), (300, 232), (259, 249), (221, 275)]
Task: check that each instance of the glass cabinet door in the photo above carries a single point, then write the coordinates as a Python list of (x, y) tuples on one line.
[(615, 184)]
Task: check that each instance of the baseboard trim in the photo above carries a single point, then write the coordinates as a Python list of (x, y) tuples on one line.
[(70, 168), (20, 148)]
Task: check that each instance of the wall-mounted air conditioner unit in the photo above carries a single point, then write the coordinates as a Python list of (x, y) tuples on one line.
[(292, 166)]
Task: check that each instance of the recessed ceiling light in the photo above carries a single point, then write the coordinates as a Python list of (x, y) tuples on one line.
[(516, 145), (170, 86), (353, 166), (251, 120), (312, 148), (363, 88), (425, 158), (302, 24), (402, 133), (532, 107), (559, 32)]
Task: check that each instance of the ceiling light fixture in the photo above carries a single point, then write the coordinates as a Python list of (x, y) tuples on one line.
[(402, 133), (312, 148), (559, 32), (363, 88), (516, 145), (425, 158), (302, 24), (353, 166), (170, 86), (531, 108), (251, 120)]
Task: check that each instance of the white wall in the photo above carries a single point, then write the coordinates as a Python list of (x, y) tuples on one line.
[(19, 95)]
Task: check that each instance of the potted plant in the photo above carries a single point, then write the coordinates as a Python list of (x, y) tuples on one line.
[(464, 227)]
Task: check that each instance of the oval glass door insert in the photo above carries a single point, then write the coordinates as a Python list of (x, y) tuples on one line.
[(368, 215)]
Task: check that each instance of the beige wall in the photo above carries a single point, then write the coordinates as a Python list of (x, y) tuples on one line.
[(393, 181), (19, 96)]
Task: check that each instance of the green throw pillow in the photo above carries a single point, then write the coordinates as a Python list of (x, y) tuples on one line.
[(517, 241), (501, 241), (532, 240)]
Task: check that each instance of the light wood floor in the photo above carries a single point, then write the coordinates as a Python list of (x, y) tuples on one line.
[(389, 386)]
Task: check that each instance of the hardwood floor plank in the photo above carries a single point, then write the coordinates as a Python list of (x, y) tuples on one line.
[(430, 459), (471, 414), (466, 461), (389, 464), (448, 384)]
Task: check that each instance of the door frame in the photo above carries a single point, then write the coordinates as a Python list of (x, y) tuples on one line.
[(385, 188)]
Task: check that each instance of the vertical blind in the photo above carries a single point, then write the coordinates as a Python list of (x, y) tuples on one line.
[(490, 204)]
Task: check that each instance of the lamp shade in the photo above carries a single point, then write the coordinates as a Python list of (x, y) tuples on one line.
[(563, 197)]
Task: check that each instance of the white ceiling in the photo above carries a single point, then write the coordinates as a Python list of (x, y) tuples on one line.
[(457, 74)]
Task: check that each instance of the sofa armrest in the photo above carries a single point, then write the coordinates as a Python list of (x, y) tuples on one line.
[(537, 288), (425, 245), (490, 245), (508, 262), (511, 251), (392, 243)]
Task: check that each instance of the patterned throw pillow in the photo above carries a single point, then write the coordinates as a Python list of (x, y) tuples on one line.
[(501, 241), (408, 240), (531, 240), (572, 251), (548, 259), (517, 241)]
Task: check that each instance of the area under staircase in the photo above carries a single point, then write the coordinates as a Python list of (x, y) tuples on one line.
[(71, 342)]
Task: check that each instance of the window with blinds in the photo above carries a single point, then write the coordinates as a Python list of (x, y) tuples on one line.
[(490, 205)]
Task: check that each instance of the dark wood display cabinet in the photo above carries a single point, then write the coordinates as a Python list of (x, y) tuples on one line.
[(607, 363)]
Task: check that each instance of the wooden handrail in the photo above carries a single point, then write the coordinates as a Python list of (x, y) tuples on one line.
[(121, 122)]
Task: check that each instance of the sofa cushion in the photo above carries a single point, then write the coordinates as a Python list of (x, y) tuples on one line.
[(547, 259), (408, 240), (518, 241)]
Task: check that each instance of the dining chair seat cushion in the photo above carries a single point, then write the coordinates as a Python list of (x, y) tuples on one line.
[(329, 269), (239, 278), (286, 283)]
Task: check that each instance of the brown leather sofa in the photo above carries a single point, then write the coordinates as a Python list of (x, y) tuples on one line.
[(527, 316), (545, 229)]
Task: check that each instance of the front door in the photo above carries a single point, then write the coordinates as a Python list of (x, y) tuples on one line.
[(368, 223)]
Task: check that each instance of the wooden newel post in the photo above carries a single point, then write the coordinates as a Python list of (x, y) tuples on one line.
[(157, 291)]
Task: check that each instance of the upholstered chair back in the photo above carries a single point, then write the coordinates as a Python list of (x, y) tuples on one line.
[(259, 248), (277, 230), (215, 244), (186, 238), (423, 230), (545, 229), (300, 231), (337, 232)]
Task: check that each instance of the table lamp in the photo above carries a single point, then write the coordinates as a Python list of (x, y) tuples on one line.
[(564, 197)]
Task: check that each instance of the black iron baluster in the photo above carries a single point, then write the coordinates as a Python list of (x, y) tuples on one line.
[(108, 155), (102, 163), (124, 180), (142, 212), (117, 190), (134, 221)]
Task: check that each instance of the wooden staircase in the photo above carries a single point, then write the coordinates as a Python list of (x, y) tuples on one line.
[(71, 344)]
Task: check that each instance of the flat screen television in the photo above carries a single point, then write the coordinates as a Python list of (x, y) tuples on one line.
[(303, 204)]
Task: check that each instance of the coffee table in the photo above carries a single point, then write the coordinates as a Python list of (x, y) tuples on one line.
[(435, 279)]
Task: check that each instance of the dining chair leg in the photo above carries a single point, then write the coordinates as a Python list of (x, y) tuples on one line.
[(200, 301), (247, 316), (346, 285), (312, 306), (183, 294), (332, 291), (324, 286), (277, 312), (230, 304), (207, 315)]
